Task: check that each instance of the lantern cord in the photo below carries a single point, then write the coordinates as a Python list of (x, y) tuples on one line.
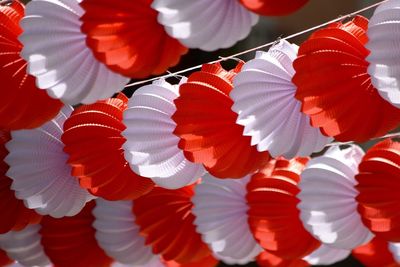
[(390, 135), (340, 18)]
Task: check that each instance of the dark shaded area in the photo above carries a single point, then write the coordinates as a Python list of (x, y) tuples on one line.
[(349, 262)]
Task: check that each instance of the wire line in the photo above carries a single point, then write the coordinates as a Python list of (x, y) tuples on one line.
[(340, 18)]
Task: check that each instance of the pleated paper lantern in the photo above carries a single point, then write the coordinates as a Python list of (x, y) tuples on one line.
[(327, 206), (263, 96), (267, 259), (395, 249), (326, 255), (273, 7), (273, 216), (93, 140), (166, 221), (70, 241), (118, 235), (21, 102), (375, 254), (39, 170), (378, 184), (207, 125), (14, 214), (383, 42), (151, 148), (156, 262), (58, 56), (4, 259), (335, 88), (209, 261), (126, 36), (220, 24), (220, 209), (25, 247)]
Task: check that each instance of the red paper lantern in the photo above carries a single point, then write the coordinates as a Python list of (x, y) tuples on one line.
[(4, 259), (126, 36), (22, 104), (93, 140), (166, 220), (70, 241), (207, 125), (266, 259), (273, 7), (335, 88), (375, 254), (274, 217), (378, 186), (14, 215), (209, 261)]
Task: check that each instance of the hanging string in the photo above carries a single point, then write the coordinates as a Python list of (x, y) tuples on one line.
[(390, 135), (6, 2), (340, 18)]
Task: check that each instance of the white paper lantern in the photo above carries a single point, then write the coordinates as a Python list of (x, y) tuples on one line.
[(24, 246), (40, 173), (264, 98), (58, 57), (155, 262), (326, 255), (220, 208), (395, 249), (151, 148), (118, 235), (205, 24), (327, 205), (384, 44)]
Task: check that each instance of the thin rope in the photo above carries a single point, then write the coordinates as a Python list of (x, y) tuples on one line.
[(6, 2), (340, 18), (390, 135)]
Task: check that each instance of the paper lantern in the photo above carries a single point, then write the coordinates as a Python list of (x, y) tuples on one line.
[(14, 214), (39, 170), (21, 102), (378, 182), (151, 148), (395, 249), (209, 261), (267, 259), (58, 56), (93, 140), (327, 206), (220, 24), (326, 255), (4, 259), (117, 233), (374, 254), (159, 262), (126, 36), (70, 241), (263, 96), (25, 247), (273, 216), (383, 42), (165, 219), (273, 7), (207, 125), (335, 88), (220, 208), (155, 262)]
